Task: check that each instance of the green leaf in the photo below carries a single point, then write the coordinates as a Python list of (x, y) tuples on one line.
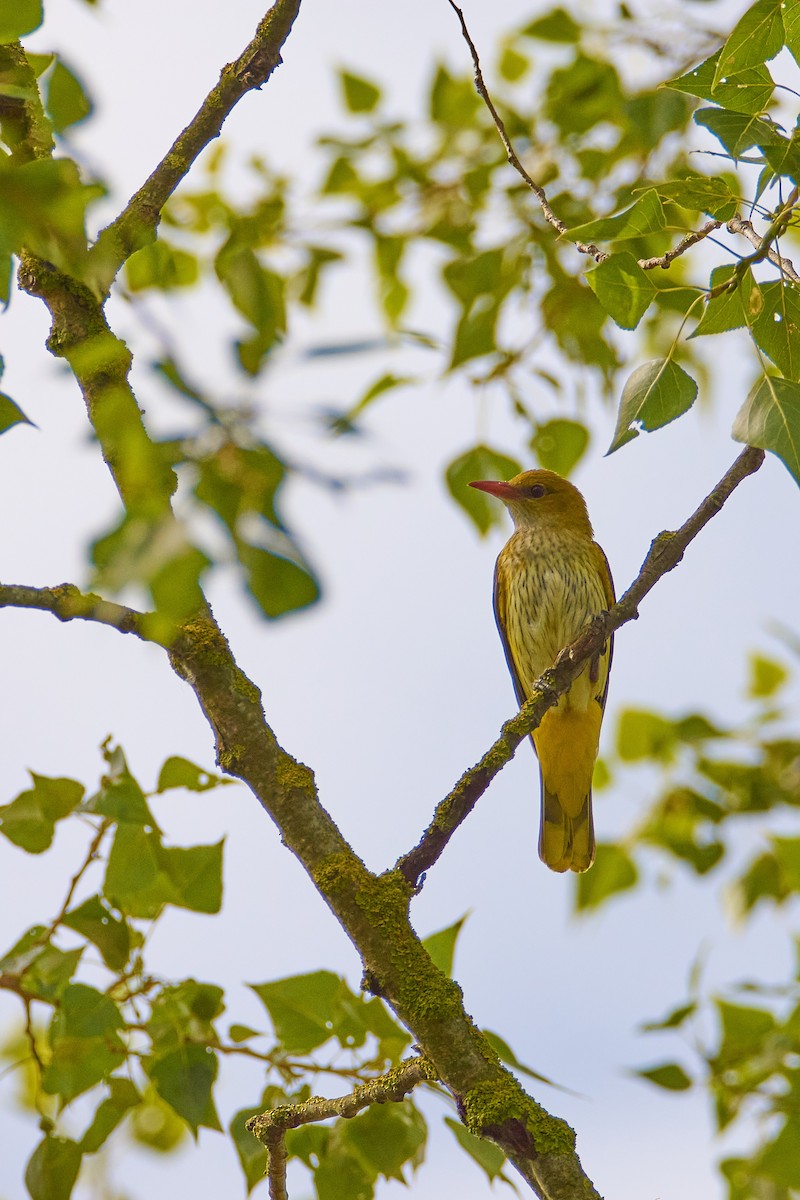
[(360, 96), (487, 1155), (613, 871), (66, 100), (85, 1043), (184, 1078), (747, 91), (42, 209), (454, 103), (481, 462), (122, 1097), (623, 288), (755, 39), (555, 26), (279, 585), (730, 309), (656, 393), (441, 946), (559, 445), (302, 1008), (507, 1055), (712, 195), (120, 797), (673, 1020), (583, 94), (160, 265), (11, 414), (645, 735), (776, 327), (143, 875), (668, 1075), (643, 217), (184, 1013), (385, 1137), (95, 920), (17, 18), (180, 773), (744, 1029), (791, 30), (53, 1169), (766, 677), (513, 66), (155, 1125), (779, 1160), (737, 131), (252, 1155), (770, 419), (29, 821), (475, 332)]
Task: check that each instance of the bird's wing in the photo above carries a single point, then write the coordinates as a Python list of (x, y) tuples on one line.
[(611, 599), (501, 617)]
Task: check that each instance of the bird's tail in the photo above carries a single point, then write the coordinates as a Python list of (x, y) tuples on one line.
[(566, 843)]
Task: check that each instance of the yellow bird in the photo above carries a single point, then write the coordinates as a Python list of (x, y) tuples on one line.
[(551, 578)]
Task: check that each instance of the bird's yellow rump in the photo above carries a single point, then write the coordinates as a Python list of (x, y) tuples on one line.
[(551, 578)]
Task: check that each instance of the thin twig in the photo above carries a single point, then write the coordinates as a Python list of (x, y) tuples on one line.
[(91, 855), (686, 242), (666, 551), (68, 603)]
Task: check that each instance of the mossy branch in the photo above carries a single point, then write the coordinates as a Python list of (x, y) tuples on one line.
[(137, 223), (666, 551), (270, 1127), (68, 603)]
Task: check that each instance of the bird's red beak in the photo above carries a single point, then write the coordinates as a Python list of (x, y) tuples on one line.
[(496, 487)]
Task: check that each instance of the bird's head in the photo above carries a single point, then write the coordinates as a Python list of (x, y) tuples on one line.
[(541, 500)]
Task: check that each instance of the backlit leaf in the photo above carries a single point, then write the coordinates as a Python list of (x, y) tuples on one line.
[(656, 393), (770, 419)]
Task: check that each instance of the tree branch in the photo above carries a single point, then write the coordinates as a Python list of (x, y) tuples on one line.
[(666, 551), (745, 228), (270, 1127), (136, 224), (68, 603)]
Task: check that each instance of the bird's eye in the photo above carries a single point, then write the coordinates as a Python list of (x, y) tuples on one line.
[(536, 491)]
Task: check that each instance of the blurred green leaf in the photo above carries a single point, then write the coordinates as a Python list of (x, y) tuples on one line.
[(66, 100), (645, 735), (766, 677), (770, 419), (481, 462), (180, 773), (160, 265), (656, 393), (582, 94), (120, 797), (11, 414), (507, 1055), (613, 871), (360, 96), (122, 1097), (670, 1076), (42, 208), (555, 26), (53, 1169), (18, 18), (623, 288), (779, 1159), (385, 1137), (559, 444), (29, 821)]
